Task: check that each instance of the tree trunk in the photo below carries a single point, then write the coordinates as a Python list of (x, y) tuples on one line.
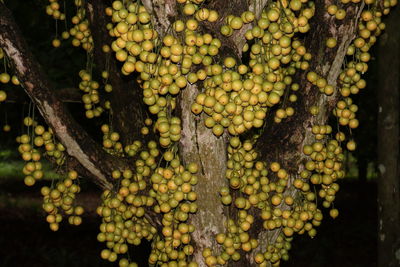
[(199, 145), (388, 145)]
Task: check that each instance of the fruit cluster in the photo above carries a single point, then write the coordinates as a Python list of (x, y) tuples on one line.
[(80, 31), (61, 200)]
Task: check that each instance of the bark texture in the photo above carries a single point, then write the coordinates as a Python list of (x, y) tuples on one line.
[(388, 145), (199, 145)]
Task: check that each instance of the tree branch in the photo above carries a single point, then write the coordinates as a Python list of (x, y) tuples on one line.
[(78, 143)]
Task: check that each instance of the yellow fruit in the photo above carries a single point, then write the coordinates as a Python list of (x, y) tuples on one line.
[(4, 77), (236, 23), (3, 95), (331, 42), (189, 9), (56, 42)]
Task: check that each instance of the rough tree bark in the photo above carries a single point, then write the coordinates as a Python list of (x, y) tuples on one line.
[(388, 145), (199, 145)]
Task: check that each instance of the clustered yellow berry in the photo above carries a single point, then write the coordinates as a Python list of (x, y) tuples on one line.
[(30, 151), (6, 78), (161, 74), (33, 166), (325, 165), (238, 97), (370, 26), (112, 144), (60, 199), (320, 82), (346, 112), (80, 31), (166, 190), (91, 97), (236, 23), (53, 9), (263, 187)]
